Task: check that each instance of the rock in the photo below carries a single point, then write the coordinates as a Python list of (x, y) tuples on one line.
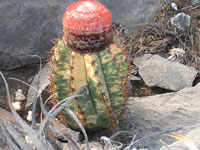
[(147, 115), (132, 12), (3, 145), (40, 82), (174, 6), (195, 2), (193, 136), (181, 21), (58, 135), (97, 145), (177, 54), (93, 146), (157, 71), (134, 78), (27, 27)]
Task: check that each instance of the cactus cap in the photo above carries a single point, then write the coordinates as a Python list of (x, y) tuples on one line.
[(87, 26)]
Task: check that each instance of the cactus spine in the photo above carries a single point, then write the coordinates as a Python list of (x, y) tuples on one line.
[(101, 67)]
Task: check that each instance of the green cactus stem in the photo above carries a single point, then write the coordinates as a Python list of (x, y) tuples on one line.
[(101, 68)]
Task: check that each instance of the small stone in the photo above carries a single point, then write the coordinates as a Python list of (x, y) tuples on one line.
[(19, 96), (17, 105), (29, 117), (177, 54), (174, 6), (28, 140), (134, 78), (181, 21)]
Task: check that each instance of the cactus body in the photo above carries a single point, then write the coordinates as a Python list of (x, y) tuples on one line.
[(103, 72)]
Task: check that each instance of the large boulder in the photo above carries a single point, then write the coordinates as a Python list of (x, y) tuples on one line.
[(147, 115), (27, 27)]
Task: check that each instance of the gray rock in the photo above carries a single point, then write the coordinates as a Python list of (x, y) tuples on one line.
[(132, 12), (195, 2), (157, 71), (181, 21), (93, 146), (57, 134), (27, 27), (40, 82), (134, 78), (147, 115)]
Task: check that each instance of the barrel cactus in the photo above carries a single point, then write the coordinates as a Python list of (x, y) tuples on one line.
[(90, 55)]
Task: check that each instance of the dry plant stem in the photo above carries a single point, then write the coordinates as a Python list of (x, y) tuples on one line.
[(34, 106), (41, 104), (27, 130), (63, 104), (39, 59), (165, 145), (80, 125), (54, 112), (10, 141), (195, 7), (107, 144), (36, 91), (35, 97), (50, 113), (106, 141), (66, 101), (118, 133), (11, 131), (47, 115), (135, 144), (44, 106), (65, 132), (7, 116), (43, 110), (17, 139)]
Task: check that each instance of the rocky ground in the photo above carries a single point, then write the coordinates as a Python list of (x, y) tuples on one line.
[(165, 52)]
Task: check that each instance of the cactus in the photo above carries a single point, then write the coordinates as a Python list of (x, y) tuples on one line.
[(90, 55)]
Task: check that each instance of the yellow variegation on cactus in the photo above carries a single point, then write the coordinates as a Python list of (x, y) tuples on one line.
[(90, 56)]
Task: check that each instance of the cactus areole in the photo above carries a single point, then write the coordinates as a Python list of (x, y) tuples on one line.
[(90, 56)]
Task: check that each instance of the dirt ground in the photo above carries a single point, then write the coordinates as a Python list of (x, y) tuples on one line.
[(25, 74)]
